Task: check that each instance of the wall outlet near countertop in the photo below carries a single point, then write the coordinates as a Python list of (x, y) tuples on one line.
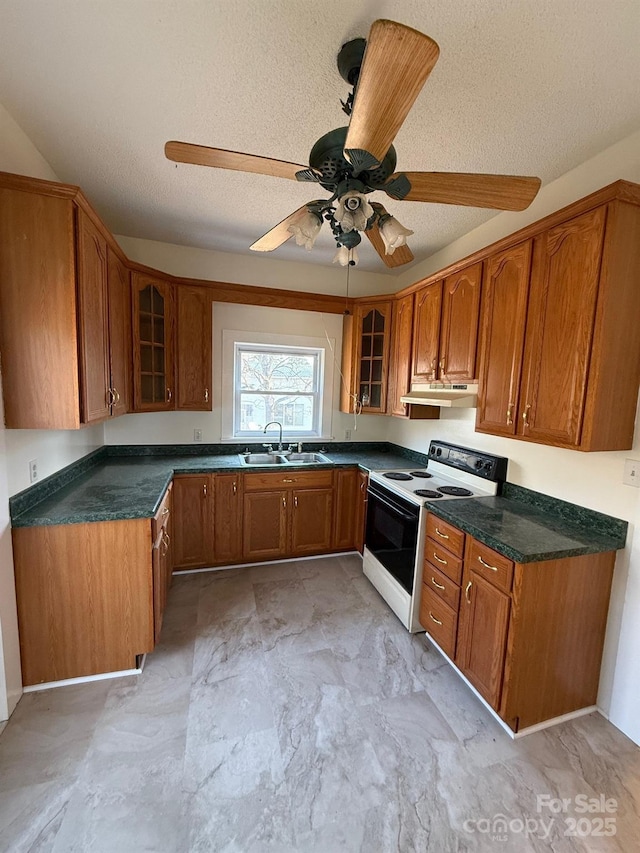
[(197, 435), (347, 435), (631, 475), (33, 470)]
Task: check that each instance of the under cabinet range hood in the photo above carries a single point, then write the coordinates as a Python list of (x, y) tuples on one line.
[(445, 396)]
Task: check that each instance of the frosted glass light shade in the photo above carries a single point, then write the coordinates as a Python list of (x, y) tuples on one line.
[(393, 234), (353, 211), (346, 256), (306, 230)]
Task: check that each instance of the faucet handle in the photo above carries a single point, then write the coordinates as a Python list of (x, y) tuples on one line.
[(269, 447)]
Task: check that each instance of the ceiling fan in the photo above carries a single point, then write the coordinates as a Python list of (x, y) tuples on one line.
[(387, 72)]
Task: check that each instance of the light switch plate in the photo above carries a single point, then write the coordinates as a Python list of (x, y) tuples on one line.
[(631, 472), (197, 435)]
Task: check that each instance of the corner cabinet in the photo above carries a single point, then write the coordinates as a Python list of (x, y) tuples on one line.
[(153, 331), (560, 361), (528, 637), (365, 358)]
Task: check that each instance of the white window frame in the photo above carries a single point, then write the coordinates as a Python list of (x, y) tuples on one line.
[(234, 340)]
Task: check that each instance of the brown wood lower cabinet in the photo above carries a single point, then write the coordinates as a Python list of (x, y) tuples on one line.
[(361, 509), (193, 499), (288, 514), (346, 508), (90, 596), (227, 520), (527, 636)]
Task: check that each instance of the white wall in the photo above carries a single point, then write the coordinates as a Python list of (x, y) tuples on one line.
[(178, 427), (593, 479), (260, 270)]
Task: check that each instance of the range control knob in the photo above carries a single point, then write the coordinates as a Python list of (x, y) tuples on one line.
[(488, 465), (478, 463)]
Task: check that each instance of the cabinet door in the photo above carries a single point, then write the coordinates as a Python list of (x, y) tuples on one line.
[(193, 349), (311, 519), (426, 332), (159, 585), (361, 517), (346, 509), (153, 366), (193, 514), (373, 324), (504, 315), (93, 322), (265, 525), (119, 334), (562, 303), (482, 638), (400, 358), (227, 518), (460, 317)]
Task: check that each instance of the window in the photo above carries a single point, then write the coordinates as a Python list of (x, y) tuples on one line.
[(277, 383)]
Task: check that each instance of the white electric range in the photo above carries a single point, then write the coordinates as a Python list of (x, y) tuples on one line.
[(396, 517)]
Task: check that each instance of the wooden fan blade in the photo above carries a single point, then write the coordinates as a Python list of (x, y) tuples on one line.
[(401, 255), (501, 192), (279, 235), (200, 155), (396, 64)]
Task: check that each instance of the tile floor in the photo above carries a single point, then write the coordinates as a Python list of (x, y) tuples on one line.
[(286, 709)]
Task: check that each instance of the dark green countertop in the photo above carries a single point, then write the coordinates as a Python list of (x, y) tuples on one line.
[(128, 486), (525, 532)]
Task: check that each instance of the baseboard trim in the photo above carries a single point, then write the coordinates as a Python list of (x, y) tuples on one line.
[(84, 679), (179, 572)]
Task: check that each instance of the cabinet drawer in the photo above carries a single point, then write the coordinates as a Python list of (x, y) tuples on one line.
[(492, 566), (161, 517), (288, 479), (448, 535), (438, 620), (443, 560), (441, 585)]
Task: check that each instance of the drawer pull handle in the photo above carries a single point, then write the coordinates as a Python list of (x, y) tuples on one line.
[(440, 533), (433, 619), (444, 562), (467, 590), (487, 565), (165, 511), (287, 480), (436, 584)]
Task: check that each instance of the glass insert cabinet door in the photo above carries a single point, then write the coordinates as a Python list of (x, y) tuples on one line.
[(153, 312), (374, 324)]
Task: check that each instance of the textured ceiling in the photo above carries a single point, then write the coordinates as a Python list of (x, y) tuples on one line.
[(528, 87)]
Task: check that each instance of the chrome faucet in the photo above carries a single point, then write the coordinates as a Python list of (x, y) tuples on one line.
[(280, 447)]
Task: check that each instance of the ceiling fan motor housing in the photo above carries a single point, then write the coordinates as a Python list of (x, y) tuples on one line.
[(350, 60), (327, 158)]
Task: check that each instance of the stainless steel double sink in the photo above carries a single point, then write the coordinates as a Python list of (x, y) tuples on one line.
[(275, 458)]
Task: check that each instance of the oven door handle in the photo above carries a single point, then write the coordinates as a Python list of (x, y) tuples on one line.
[(397, 511)]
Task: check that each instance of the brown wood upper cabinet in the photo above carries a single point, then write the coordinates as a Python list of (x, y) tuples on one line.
[(55, 319), (171, 345), (400, 356), (365, 358), (193, 349), (560, 361), (459, 326), (119, 333), (153, 333), (426, 333)]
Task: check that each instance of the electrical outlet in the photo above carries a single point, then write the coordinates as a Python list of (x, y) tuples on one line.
[(347, 435), (197, 435), (631, 472), (33, 470)]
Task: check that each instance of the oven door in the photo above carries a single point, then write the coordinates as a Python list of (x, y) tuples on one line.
[(392, 533)]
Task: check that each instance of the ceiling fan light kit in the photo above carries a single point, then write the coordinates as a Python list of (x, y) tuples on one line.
[(387, 73)]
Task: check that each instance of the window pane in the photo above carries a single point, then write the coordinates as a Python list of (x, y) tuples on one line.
[(277, 371), (295, 413)]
